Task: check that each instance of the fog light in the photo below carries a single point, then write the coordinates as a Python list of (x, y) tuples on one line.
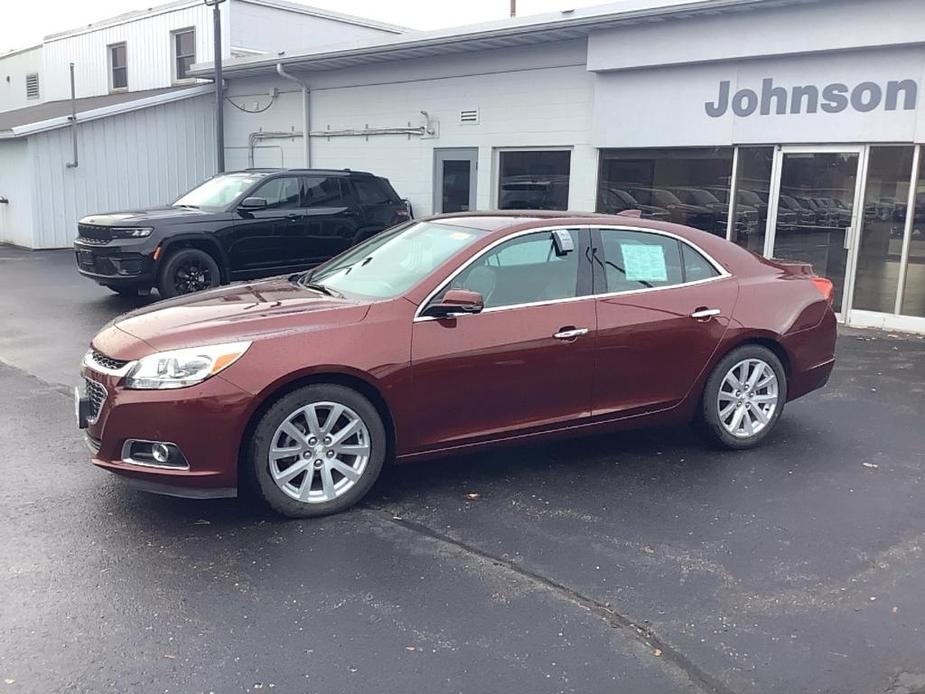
[(160, 453)]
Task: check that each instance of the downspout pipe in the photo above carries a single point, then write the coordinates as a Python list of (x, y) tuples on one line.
[(306, 112)]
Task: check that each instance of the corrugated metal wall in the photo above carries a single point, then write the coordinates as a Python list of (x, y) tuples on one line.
[(148, 48), (138, 159)]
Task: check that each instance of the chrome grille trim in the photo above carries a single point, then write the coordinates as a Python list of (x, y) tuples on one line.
[(99, 362), (96, 394)]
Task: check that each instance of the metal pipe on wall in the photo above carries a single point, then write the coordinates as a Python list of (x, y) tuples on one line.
[(73, 118), (306, 112)]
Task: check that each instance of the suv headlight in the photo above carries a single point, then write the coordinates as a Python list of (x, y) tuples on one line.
[(180, 368), (130, 232)]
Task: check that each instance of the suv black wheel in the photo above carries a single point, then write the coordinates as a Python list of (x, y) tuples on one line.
[(743, 397), (187, 270), (316, 451)]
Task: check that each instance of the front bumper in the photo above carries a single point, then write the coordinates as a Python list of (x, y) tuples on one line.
[(205, 422), (117, 263)]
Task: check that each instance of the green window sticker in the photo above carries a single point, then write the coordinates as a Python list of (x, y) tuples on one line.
[(644, 262)]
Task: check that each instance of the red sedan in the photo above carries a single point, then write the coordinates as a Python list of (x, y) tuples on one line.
[(448, 335)]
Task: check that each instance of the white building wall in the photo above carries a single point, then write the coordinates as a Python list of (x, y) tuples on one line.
[(149, 52), (527, 98), (138, 159), (271, 29), (16, 214), (13, 70)]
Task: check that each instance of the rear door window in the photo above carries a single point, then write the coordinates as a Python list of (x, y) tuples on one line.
[(323, 191), (639, 260)]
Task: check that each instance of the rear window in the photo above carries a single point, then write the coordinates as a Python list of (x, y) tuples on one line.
[(373, 191)]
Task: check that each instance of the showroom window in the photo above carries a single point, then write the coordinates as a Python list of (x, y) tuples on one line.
[(753, 188), (686, 186), (884, 220), (914, 292), (533, 180)]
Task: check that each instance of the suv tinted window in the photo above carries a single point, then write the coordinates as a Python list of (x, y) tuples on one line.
[(323, 191), (638, 260), (370, 191), (280, 193), (522, 271)]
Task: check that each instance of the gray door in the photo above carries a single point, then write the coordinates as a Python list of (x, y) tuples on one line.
[(454, 179)]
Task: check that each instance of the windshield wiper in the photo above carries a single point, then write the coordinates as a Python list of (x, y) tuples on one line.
[(323, 289), (191, 207)]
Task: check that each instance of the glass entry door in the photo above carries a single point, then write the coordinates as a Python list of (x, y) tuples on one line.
[(454, 179), (816, 213)]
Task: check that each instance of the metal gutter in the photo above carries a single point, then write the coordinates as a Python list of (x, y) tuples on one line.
[(306, 114)]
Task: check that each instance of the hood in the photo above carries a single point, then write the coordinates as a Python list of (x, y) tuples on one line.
[(228, 314), (140, 217)]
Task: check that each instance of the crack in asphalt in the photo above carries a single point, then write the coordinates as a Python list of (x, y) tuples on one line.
[(616, 620)]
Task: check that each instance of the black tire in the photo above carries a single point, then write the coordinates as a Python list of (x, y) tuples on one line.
[(258, 466), (708, 417), (128, 292), (187, 270)]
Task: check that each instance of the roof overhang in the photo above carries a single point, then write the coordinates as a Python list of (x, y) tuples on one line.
[(105, 111), (569, 24)]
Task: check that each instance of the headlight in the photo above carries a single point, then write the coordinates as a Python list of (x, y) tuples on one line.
[(130, 232), (180, 368)]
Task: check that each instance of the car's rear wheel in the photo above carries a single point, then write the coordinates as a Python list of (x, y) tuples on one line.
[(743, 397), (187, 270), (317, 451)]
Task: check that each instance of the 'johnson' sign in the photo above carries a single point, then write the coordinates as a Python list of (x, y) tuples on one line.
[(809, 98)]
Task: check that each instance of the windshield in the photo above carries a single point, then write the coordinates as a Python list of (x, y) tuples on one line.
[(392, 262), (220, 191)]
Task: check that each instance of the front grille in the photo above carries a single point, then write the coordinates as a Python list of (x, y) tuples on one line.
[(96, 394), (94, 231), (91, 241), (105, 362)]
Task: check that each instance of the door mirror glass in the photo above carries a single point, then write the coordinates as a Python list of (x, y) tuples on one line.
[(456, 301), (253, 204)]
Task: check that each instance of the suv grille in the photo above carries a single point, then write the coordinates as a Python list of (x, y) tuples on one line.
[(102, 360), (94, 233), (97, 396), (92, 242)]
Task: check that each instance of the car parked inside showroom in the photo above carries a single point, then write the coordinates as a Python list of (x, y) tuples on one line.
[(448, 335), (237, 225)]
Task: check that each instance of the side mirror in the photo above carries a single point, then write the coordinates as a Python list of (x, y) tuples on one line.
[(456, 301), (253, 204)]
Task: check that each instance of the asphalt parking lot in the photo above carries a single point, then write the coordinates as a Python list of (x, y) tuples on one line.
[(640, 562)]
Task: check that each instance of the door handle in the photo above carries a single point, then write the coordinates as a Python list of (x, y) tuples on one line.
[(292, 217), (570, 333), (705, 313)]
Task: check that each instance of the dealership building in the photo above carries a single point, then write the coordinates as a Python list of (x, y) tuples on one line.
[(793, 127)]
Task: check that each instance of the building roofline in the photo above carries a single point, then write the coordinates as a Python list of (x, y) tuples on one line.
[(105, 111), (329, 14), (515, 31), (17, 51)]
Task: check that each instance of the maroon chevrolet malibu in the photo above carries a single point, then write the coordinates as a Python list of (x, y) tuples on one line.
[(445, 336)]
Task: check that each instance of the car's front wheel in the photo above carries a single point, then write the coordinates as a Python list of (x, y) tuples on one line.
[(187, 270), (317, 451), (743, 397)]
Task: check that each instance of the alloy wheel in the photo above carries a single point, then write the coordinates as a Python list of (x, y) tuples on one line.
[(748, 398), (319, 452), (191, 276)]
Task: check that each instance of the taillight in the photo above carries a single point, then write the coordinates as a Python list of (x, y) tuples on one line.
[(825, 287)]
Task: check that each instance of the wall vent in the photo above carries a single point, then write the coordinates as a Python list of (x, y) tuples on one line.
[(32, 86), (469, 116)]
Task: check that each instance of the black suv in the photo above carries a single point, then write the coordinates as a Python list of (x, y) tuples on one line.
[(238, 225)]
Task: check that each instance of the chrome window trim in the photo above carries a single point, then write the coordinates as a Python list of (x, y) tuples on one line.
[(723, 273), (89, 363)]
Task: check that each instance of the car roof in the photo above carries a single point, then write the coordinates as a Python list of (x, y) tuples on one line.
[(326, 172)]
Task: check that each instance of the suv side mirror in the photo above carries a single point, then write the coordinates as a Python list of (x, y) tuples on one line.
[(253, 204), (456, 301)]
